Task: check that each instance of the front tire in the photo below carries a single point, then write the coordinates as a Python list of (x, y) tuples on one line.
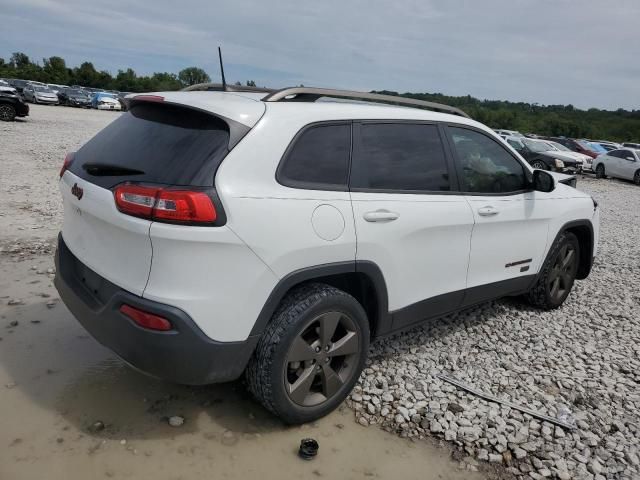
[(539, 165), (600, 171), (636, 178), (310, 355), (7, 112), (558, 273)]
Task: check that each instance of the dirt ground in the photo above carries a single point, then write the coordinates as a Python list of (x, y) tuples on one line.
[(56, 382)]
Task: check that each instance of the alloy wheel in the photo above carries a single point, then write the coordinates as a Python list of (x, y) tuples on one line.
[(539, 165), (321, 359), (6, 113), (600, 171), (563, 272)]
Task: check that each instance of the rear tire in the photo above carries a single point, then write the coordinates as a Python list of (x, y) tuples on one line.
[(636, 178), (310, 355), (600, 171), (7, 112), (558, 273)]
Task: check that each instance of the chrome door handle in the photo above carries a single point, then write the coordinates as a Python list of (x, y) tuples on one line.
[(380, 216), (487, 211)]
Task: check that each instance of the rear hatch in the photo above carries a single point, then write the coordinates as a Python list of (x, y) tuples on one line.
[(154, 145)]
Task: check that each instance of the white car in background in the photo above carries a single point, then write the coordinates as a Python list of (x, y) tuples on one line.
[(509, 133), (587, 161), (623, 163), (108, 103), (40, 94)]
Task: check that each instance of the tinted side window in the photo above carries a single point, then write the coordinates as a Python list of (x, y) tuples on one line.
[(615, 153), (401, 157), (486, 166), (319, 158)]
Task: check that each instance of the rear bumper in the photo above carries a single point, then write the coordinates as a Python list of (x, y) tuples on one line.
[(183, 355)]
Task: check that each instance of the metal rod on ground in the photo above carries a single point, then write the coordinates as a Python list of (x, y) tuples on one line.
[(491, 398)]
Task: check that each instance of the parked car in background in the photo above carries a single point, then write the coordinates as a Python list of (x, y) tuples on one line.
[(508, 133), (575, 145), (540, 155), (558, 147), (17, 84), (12, 104), (121, 97), (623, 163), (105, 101), (631, 145), (40, 94), (74, 97)]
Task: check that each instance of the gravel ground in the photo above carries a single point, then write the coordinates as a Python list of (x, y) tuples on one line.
[(579, 363)]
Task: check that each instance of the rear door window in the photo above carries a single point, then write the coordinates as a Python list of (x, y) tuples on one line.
[(399, 157), (155, 143)]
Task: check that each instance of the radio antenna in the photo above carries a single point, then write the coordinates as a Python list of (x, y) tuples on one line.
[(224, 82)]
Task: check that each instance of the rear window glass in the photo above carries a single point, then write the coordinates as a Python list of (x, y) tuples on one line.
[(155, 143), (319, 159)]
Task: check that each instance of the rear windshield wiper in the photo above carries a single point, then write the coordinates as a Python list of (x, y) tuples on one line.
[(107, 170)]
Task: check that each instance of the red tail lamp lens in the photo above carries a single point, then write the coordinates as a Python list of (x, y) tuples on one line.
[(146, 319), (67, 163), (165, 205)]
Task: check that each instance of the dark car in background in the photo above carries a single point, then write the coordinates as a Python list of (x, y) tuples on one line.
[(12, 105), (74, 97), (17, 84), (541, 156)]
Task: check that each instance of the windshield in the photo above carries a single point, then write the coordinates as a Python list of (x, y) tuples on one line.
[(42, 89), (536, 145), (106, 95), (559, 146), (77, 93), (596, 147)]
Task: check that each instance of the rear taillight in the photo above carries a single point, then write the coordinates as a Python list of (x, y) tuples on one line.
[(67, 163), (168, 205), (146, 319)]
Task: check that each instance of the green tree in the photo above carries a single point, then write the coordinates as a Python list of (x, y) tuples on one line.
[(193, 76), (86, 75), (55, 70)]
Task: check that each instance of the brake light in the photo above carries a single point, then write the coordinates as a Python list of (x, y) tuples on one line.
[(68, 159), (149, 98), (146, 319), (160, 204)]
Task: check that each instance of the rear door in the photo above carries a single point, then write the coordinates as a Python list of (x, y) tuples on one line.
[(152, 144), (511, 222), (408, 221)]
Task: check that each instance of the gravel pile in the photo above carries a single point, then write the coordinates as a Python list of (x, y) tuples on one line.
[(579, 363)]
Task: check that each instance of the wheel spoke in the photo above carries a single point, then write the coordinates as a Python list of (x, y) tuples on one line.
[(331, 382), (300, 351), (555, 286), (347, 345), (328, 325), (568, 259), (299, 390)]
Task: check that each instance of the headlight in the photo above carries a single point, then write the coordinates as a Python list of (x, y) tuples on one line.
[(559, 163)]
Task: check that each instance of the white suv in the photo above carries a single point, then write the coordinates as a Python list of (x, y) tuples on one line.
[(211, 233)]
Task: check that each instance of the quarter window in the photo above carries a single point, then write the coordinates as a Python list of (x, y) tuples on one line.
[(319, 158), (400, 157), (486, 166)]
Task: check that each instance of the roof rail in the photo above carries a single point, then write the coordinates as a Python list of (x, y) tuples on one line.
[(218, 87), (306, 94)]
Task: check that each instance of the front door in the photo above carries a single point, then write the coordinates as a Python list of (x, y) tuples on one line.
[(407, 219), (509, 237)]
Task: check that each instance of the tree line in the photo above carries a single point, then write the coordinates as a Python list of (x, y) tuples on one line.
[(554, 120)]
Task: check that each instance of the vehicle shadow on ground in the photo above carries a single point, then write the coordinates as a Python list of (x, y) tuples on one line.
[(57, 365)]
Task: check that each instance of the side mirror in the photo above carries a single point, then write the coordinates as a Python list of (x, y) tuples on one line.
[(543, 181)]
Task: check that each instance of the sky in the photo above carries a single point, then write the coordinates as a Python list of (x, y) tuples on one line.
[(580, 52)]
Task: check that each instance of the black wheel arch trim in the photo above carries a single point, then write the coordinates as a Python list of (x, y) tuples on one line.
[(379, 325), (586, 258)]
